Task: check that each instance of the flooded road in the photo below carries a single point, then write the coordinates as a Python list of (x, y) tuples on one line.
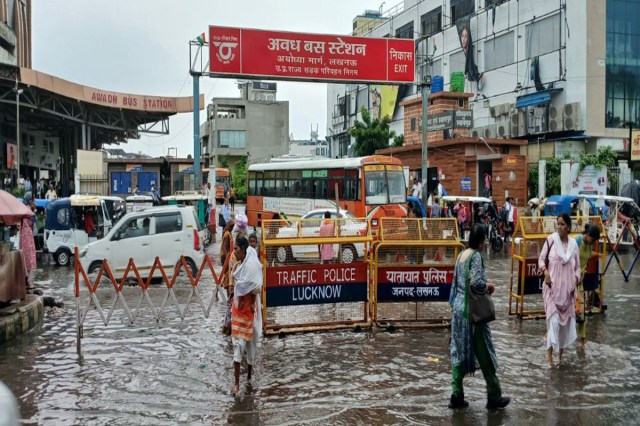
[(180, 372)]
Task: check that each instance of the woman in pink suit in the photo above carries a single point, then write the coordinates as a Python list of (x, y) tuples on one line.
[(327, 229), (560, 262)]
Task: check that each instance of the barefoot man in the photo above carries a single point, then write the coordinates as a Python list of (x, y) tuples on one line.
[(246, 313)]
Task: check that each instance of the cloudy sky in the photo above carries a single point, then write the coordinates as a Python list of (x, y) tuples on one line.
[(141, 47)]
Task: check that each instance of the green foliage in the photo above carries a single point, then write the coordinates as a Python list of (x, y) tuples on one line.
[(17, 192), (533, 182), (240, 178), (398, 140), (553, 176), (371, 134), (224, 161)]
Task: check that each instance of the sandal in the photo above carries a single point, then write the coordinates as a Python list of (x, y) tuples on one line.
[(235, 390)]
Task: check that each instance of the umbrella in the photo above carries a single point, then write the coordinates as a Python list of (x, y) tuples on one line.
[(12, 211)]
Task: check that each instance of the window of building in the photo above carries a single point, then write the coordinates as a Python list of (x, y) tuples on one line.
[(622, 63), (405, 31), (232, 139), (431, 22), (436, 67), (457, 61), (543, 36), (498, 51), (461, 8), (413, 124)]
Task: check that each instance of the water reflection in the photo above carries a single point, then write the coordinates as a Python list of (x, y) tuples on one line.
[(181, 371)]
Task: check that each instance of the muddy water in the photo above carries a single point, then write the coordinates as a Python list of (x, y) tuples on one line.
[(180, 372)]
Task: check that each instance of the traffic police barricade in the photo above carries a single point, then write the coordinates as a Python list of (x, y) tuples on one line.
[(179, 288), (316, 274), (526, 279), (413, 267)]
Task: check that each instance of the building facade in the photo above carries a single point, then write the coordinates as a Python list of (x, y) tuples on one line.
[(255, 125), (561, 75)]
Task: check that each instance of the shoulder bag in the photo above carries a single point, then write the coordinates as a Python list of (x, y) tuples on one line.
[(480, 305), (546, 258)]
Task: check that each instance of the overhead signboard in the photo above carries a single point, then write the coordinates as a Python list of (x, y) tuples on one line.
[(250, 53)]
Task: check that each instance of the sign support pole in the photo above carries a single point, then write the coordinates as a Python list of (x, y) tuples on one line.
[(426, 84), (196, 132)]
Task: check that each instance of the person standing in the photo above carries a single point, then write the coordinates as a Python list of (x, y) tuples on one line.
[(507, 214), (27, 184), (436, 211), (472, 342), (590, 235), (487, 184), (224, 211), (226, 250), (246, 311), (51, 193), (27, 243), (327, 229), (560, 263)]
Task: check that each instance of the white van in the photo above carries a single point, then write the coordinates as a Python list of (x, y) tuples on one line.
[(166, 232)]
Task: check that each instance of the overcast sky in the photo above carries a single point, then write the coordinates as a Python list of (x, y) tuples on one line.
[(141, 47)]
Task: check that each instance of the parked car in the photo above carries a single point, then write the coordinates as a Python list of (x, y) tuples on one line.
[(167, 232), (310, 227)]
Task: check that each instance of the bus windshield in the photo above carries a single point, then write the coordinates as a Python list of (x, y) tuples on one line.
[(384, 186)]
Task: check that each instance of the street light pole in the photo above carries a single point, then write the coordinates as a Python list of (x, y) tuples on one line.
[(17, 165)]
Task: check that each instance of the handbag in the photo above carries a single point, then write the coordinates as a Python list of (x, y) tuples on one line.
[(480, 305), (546, 258)]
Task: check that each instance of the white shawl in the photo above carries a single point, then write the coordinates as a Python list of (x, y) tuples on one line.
[(248, 277), (572, 247)]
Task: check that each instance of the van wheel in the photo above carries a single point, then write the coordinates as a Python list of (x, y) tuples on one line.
[(349, 254), (94, 267), (62, 257), (283, 254), (193, 267)]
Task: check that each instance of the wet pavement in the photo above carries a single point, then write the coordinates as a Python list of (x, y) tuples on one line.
[(179, 372)]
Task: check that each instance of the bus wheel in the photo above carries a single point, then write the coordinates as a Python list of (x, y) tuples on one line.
[(283, 254), (62, 257), (349, 254)]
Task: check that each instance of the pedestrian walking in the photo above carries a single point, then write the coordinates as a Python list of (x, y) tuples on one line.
[(246, 314), (232, 198), (27, 243), (327, 229), (585, 242), (472, 342), (560, 263), (488, 182), (51, 193), (226, 250)]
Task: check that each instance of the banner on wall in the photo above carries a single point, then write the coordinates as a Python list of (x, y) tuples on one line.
[(635, 145), (590, 180), (12, 150)]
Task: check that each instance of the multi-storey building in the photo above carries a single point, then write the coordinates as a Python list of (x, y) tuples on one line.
[(254, 125), (561, 75)]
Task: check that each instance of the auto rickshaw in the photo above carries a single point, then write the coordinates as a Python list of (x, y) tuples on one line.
[(66, 223)]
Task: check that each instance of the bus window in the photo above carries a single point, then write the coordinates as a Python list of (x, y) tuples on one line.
[(321, 188), (397, 192), (376, 187)]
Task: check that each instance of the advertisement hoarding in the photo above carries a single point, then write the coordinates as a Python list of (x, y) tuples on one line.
[(251, 53)]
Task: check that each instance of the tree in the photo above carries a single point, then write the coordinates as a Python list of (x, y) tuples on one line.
[(553, 176), (398, 140), (371, 134), (240, 178), (224, 161), (533, 182)]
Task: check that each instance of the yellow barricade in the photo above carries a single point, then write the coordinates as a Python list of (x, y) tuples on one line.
[(413, 265), (526, 279), (316, 274)]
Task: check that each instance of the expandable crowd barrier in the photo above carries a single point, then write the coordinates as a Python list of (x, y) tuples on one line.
[(614, 237), (413, 265), (316, 274), (526, 281), (131, 272)]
